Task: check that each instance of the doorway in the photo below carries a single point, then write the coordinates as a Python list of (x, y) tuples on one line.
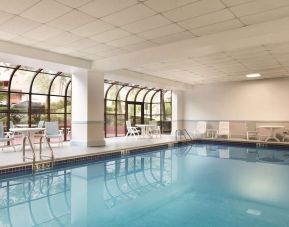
[(135, 112)]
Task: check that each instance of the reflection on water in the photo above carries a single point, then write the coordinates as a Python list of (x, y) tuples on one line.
[(189, 186)]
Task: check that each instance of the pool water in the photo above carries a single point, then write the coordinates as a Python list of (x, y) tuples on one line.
[(194, 185)]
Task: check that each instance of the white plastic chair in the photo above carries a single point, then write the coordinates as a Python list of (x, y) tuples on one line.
[(251, 130), (52, 131), (6, 137), (154, 129), (224, 129), (131, 130), (201, 129)]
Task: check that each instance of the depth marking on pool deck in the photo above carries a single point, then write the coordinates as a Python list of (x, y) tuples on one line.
[(254, 212)]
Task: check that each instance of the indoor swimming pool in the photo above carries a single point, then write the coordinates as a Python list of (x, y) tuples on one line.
[(191, 185)]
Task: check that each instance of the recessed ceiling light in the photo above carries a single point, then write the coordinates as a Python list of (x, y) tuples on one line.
[(253, 75)]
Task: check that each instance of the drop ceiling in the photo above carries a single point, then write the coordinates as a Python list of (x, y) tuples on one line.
[(102, 29)]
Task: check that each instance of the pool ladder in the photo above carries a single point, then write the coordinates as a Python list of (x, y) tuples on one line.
[(183, 132)]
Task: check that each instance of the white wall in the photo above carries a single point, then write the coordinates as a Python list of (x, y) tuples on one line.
[(254, 100)]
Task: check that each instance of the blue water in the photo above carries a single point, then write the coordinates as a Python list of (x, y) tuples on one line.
[(197, 185)]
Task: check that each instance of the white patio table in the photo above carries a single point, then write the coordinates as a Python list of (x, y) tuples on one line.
[(27, 133), (145, 129), (272, 129)]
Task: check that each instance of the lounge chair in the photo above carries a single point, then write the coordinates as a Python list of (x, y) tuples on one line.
[(201, 129), (224, 129), (251, 130), (52, 131), (154, 129), (131, 130)]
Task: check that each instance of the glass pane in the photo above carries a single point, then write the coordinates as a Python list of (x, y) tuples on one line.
[(59, 118), (39, 104), (157, 97), (19, 118), (132, 94), (123, 92), (69, 90), (3, 101), (35, 118), (168, 96), (121, 125), (140, 95), (3, 118), (68, 106), (138, 110), (156, 109), (41, 83), (19, 102), (56, 104), (21, 81), (5, 74), (168, 111), (149, 96), (130, 112), (120, 107), (110, 125), (112, 92), (147, 110), (110, 107), (59, 85), (146, 119)]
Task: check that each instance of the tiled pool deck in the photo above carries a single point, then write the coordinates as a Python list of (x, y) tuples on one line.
[(9, 158)]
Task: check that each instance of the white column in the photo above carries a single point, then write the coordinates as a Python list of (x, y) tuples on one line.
[(177, 110), (87, 108)]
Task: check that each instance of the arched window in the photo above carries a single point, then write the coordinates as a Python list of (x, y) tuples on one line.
[(139, 104), (28, 95)]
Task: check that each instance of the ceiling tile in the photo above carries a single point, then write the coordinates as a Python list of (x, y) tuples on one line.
[(139, 46), (207, 19), (164, 5), (174, 37), (110, 35), (45, 11), (71, 20), (100, 8), (92, 28), (216, 28), (15, 7), (195, 9), (83, 43), (23, 40), (236, 2), (258, 6), (74, 3), (146, 24), (129, 15), (5, 16), (98, 48), (42, 32), (18, 25), (6, 36), (126, 41), (162, 31), (65, 38), (266, 16)]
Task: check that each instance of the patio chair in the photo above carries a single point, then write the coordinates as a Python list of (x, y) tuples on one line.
[(251, 130), (154, 129), (131, 130), (224, 129), (41, 124), (52, 131), (6, 137), (201, 129)]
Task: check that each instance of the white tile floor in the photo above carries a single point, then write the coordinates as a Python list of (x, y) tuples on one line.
[(10, 158)]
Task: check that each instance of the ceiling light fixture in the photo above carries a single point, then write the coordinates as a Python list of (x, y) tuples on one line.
[(253, 75)]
